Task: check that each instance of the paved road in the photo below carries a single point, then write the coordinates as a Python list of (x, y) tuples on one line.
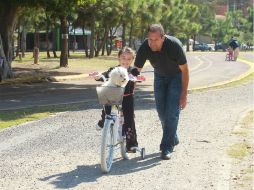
[(62, 151), (205, 69)]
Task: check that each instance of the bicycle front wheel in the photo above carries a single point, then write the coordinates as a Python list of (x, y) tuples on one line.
[(107, 146)]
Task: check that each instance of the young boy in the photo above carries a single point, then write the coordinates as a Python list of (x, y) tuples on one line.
[(125, 58)]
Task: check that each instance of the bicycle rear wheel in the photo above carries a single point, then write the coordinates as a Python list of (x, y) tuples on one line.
[(107, 146)]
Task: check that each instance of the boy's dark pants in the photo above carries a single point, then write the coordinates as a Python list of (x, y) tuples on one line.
[(129, 123)]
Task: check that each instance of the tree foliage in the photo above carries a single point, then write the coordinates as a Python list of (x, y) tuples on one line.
[(182, 18)]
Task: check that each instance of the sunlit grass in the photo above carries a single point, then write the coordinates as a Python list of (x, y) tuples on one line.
[(238, 150), (248, 119), (76, 60)]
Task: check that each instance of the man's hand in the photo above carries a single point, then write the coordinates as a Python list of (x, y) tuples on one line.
[(185, 82), (183, 101), (141, 78)]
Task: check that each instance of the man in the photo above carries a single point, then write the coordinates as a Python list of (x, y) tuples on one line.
[(171, 78), (234, 45)]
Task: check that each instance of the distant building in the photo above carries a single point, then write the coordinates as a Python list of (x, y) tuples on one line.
[(232, 5), (80, 37)]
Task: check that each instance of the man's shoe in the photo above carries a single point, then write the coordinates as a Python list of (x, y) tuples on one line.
[(166, 155)]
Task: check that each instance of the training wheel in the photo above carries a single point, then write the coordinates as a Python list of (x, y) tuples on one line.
[(143, 153)]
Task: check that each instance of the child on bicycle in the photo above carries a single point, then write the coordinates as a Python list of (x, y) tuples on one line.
[(125, 58), (230, 53)]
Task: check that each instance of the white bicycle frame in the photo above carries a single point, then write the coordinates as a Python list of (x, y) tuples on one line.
[(111, 137), (113, 96), (117, 128)]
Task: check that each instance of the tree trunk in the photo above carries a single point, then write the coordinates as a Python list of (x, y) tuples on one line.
[(130, 37), (64, 44), (47, 40), (123, 35), (194, 41), (109, 46), (23, 42), (85, 42), (91, 55), (36, 40), (18, 42), (3, 61), (68, 41), (74, 44), (96, 47), (103, 40), (54, 42), (8, 20), (36, 55), (103, 47), (188, 44)]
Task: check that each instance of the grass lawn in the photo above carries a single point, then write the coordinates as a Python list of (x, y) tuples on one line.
[(77, 62)]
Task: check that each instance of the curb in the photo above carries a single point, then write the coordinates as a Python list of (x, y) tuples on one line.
[(64, 78), (240, 77), (24, 80)]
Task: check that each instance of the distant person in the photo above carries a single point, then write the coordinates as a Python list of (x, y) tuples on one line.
[(234, 45), (171, 77)]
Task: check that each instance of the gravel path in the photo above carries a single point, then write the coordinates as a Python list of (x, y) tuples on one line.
[(62, 151)]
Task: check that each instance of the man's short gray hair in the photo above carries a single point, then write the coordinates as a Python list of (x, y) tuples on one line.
[(156, 28)]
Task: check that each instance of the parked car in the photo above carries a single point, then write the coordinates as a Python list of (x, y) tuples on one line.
[(201, 47), (220, 46), (211, 46)]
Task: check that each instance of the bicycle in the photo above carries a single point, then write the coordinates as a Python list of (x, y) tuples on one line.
[(112, 135), (229, 55)]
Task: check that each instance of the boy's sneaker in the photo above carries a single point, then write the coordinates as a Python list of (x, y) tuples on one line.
[(99, 125), (132, 149)]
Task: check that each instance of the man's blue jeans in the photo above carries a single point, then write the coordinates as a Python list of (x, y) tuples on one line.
[(167, 92)]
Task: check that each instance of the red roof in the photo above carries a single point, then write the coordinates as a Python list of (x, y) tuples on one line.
[(221, 10)]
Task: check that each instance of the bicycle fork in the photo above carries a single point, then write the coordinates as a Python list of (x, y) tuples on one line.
[(115, 120)]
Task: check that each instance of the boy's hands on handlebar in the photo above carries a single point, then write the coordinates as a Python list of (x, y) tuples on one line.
[(95, 75)]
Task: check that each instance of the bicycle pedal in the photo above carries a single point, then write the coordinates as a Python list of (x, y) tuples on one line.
[(131, 151), (135, 149)]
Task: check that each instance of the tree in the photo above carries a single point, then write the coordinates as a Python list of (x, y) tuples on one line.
[(63, 8), (9, 11), (25, 23)]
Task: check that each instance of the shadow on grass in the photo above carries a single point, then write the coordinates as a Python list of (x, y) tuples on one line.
[(47, 72), (27, 102), (91, 173)]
